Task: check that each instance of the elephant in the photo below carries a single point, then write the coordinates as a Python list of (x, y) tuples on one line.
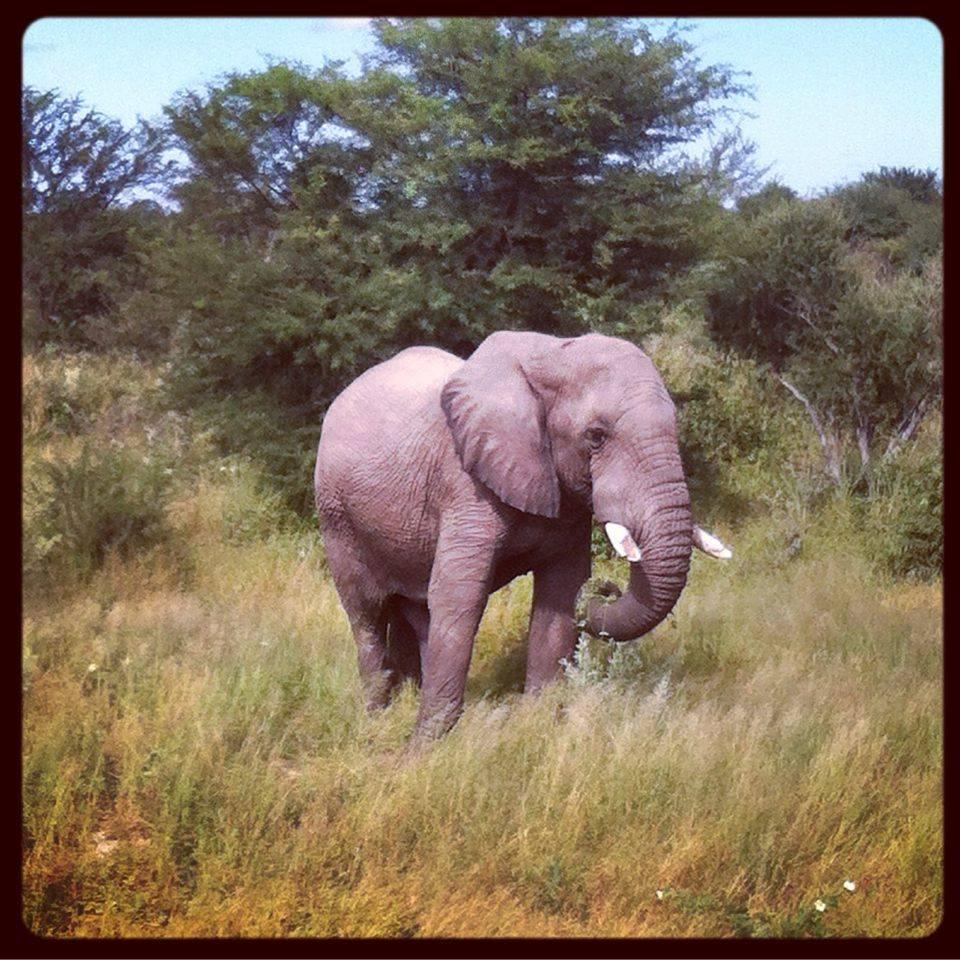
[(439, 480)]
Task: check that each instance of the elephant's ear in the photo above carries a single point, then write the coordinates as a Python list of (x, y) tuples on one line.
[(498, 425)]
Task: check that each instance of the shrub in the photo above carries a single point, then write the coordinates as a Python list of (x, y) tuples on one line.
[(78, 510), (231, 503), (904, 516), (114, 397), (597, 661), (737, 434)]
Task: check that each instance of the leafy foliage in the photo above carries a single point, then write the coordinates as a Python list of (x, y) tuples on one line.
[(104, 500), (76, 159), (254, 143), (897, 213), (480, 174), (857, 345), (82, 244), (769, 195), (905, 515)]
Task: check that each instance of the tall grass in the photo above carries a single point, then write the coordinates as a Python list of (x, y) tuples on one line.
[(197, 761)]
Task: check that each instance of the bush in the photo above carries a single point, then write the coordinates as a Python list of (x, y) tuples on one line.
[(597, 661), (72, 393), (232, 504), (78, 510), (100, 454), (904, 516), (737, 433)]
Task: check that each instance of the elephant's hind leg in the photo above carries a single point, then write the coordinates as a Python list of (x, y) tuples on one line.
[(370, 633), (366, 608)]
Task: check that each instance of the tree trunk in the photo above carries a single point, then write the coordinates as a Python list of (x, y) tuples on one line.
[(864, 435)]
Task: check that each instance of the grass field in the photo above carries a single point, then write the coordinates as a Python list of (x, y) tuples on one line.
[(197, 761)]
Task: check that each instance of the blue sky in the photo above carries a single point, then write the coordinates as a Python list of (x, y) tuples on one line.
[(835, 97)]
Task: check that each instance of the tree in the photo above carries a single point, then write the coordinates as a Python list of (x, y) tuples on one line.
[(479, 174), (763, 199), (857, 345), (896, 213), (543, 160), (922, 186), (80, 171), (254, 143)]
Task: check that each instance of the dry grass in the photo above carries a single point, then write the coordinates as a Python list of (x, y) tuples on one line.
[(779, 736), (197, 762)]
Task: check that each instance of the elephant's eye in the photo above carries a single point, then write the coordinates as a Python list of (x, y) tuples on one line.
[(595, 437)]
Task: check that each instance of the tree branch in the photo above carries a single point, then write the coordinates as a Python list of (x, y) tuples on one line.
[(802, 310), (827, 441), (907, 426)]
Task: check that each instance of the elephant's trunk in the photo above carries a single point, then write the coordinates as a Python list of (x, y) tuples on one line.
[(662, 529)]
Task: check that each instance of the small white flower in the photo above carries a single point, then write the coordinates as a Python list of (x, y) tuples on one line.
[(659, 894), (223, 469), (849, 885), (92, 668), (168, 471), (302, 553), (127, 661), (264, 643), (820, 905)]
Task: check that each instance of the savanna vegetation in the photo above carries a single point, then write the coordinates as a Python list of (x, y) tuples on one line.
[(196, 758)]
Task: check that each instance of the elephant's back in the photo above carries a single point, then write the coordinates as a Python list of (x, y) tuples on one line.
[(379, 424), (390, 398), (414, 375)]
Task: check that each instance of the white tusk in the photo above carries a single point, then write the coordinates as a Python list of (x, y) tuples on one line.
[(709, 544), (622, 542)]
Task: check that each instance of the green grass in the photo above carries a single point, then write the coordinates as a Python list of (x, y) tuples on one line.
[(197, 761)]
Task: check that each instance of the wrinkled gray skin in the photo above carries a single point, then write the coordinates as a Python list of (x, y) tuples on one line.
[(439, 480)]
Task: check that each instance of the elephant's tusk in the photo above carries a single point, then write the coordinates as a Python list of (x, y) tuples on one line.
[(622, 542), (709, 544)]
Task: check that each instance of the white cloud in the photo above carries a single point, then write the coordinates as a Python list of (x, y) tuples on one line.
[(349, 23)]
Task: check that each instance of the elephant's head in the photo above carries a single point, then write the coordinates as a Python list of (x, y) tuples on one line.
[(546, 422)]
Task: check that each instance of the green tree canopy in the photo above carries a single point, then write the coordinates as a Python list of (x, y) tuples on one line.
[(255, 142), (82, 218), (479, 174), (859, 346), (541, 162), (922, 186), (769, 195), (897, 213)]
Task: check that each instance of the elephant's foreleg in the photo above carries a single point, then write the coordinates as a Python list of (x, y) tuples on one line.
[(457, 596), (553, 632)]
